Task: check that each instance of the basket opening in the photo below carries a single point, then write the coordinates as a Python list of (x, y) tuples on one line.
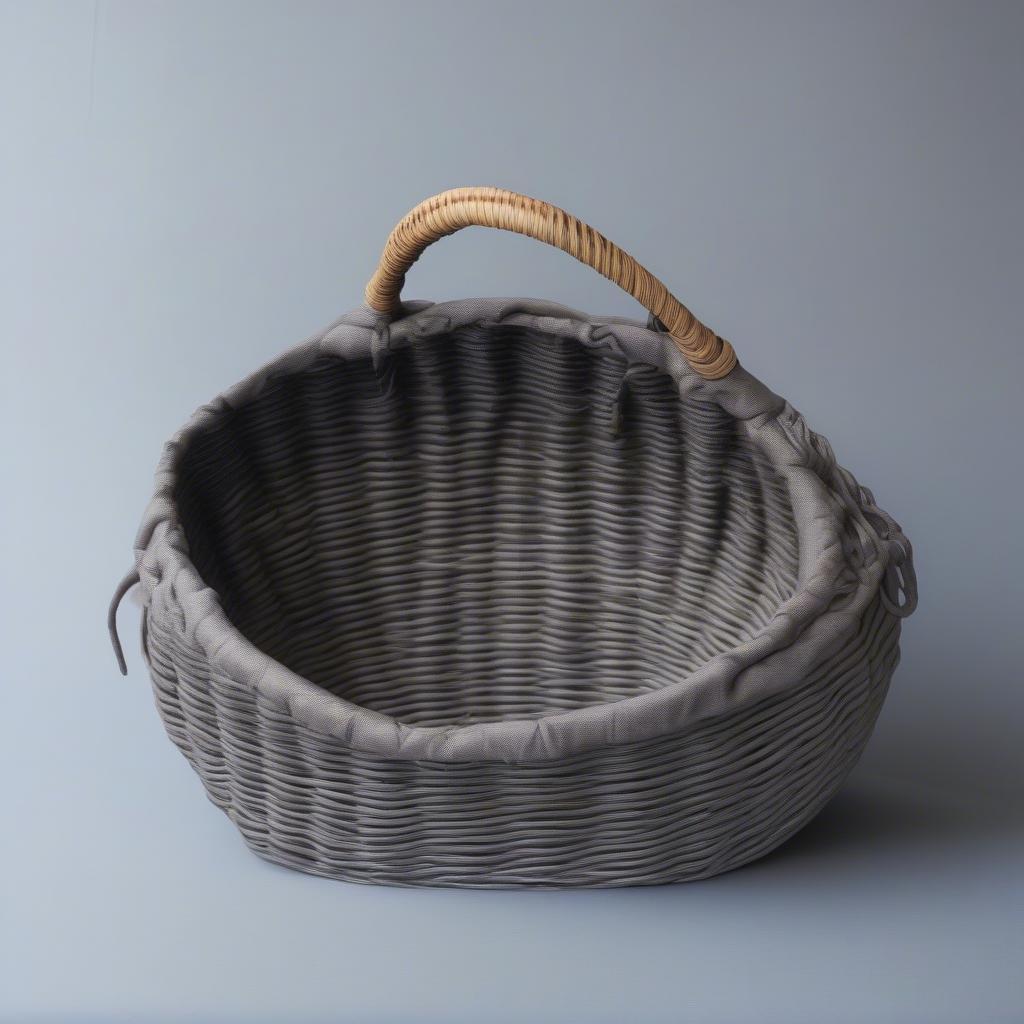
[(494, 523)]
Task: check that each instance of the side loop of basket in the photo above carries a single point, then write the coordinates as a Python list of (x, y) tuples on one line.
[(710, 356), (873, 534), (899, 587), (126, 584)]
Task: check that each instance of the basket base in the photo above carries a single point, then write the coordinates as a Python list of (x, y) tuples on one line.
[(769, 844)]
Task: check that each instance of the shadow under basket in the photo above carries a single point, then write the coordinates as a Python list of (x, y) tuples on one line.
[(490, 593)]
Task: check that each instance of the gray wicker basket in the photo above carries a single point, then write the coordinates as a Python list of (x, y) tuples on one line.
[(491, 593)]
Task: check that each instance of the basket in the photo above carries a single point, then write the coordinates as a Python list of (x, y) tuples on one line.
[(491, 593)]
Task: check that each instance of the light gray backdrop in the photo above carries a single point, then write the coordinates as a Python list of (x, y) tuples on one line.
[(187, 188)]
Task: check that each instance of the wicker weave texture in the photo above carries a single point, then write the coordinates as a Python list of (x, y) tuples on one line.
[(493, 524), (498, 524), (675, 809)]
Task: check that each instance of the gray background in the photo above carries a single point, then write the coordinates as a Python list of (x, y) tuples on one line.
[(187, 188)]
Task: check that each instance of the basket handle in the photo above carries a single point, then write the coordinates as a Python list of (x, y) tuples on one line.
[(443, 214)]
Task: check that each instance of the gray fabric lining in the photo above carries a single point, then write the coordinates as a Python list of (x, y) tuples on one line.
[(837, 580)]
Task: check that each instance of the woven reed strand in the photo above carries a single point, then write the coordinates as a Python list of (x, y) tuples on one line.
[(462, 535)]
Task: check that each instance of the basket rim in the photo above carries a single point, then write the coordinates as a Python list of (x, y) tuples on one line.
[(821, 617)]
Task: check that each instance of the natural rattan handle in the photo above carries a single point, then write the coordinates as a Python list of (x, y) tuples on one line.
[(443, 214)]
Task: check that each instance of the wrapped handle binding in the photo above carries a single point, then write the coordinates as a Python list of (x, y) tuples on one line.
[(709, 355)]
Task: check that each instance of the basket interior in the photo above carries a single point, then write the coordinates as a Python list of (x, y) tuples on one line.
[(495, 523)]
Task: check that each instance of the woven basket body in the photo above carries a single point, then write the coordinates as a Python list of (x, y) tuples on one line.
[(496, 594)]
